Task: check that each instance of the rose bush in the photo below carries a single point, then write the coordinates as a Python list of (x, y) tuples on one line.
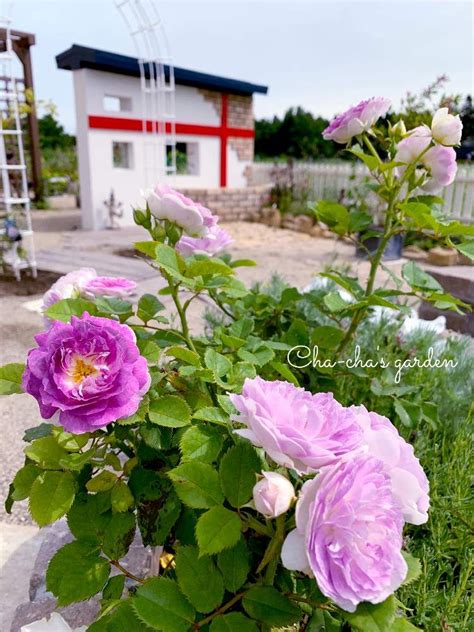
[(266, 504)]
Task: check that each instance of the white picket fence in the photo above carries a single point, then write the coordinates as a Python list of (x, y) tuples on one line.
[(329, 180)]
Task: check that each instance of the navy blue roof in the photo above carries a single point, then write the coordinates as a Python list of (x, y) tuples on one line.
[(78, 57)]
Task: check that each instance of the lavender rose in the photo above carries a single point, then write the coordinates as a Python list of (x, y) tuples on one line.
[(410, 485), (446, 128), (70, 285), (273, 494), (413, 146), (441, 163), (112, 287), (296, 429), (216, 240), (89, 372), (166, 203), (349, 533), (356, 120)]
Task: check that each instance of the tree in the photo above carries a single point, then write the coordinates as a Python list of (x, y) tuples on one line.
[(53, 135)]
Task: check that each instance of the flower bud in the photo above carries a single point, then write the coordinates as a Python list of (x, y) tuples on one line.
[(399, 130), (273, 494), (446, 128)]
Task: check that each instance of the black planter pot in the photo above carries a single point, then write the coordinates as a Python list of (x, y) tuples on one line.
[(393, 249)]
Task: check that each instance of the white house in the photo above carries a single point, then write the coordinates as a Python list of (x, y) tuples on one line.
[(214, 130)]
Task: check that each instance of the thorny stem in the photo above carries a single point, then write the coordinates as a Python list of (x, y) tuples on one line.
[(275, 550), (124, 571)]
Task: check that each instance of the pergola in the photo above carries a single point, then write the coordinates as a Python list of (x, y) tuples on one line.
[(22, 42)]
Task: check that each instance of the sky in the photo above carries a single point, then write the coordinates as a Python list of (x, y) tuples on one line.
[(321, 55)]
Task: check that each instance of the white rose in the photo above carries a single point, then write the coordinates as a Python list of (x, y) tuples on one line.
[(446, 128)]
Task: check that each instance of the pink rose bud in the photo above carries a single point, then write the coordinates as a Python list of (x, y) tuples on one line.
[(446, 128), (273, 494)]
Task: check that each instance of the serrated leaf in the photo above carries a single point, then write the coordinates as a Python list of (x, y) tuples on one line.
[(327, 336), (37, 432), (10, 378), (414, 568), (166, 517), (238, 473), (226, 404), (202, 443), (211, 414), (111, 306), (170, 411), (466, 248), (46, 452), (186, 355), (334, 302), (160, 604), (149, 350), (148, 307), (147, 247), (121, 497), (418, 278), (233, 622), (51, 496), (217, 529), (119, 535), (266, 604), (76, 572), (171, 262), (122, 618), (202, 265), (104, 481), (23, 481), (373, 617), (67, 307), (89, 516), (197, 484), (114, 587), (234, 564), (199, 579), (401, 624), (218, 363)]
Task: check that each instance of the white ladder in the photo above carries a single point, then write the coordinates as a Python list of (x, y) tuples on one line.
[(157, 86), (14, 205)]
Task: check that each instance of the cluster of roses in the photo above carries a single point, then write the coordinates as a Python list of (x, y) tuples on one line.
[(202, 233), (431, 149), (350, 516)]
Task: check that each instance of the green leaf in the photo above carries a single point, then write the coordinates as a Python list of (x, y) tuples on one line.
[(202, 443), (147, 247), (46, 452), (219, 364), (418, 278), (67, 307), (285, 371), (370, 161), (171, 262), (403, 625), (203, 266), (170, 411), (466, 248), (76, 572), (243, 263), (414, 568), (148, 307), (121, 498), (199, 579), (211, 414), (234, 564), (327, 336), (167, 516), (334, 215), (114, 307), (102, 482), (149, 350), (186, 355), (359, 221), (89, 516), (402, 413), (160, 604), (238, 473), (119, 535), (37, 432), (233, 622), (10, 378), (334, 302), (372, 618), (217, 529), (266, 604), (51, 496), (197, 484), (23, 481), (121, 619), (114, 587)]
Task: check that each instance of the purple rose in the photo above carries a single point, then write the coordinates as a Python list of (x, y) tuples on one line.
[(296, 429), (216, 240), (356, 120), (441, 164), (70, 285), (273, 494), (409, 483), (112, 287), (410, 148), (89, 371), (166, 203), (349, 533)]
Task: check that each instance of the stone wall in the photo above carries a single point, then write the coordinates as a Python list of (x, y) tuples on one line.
[(232, 204)]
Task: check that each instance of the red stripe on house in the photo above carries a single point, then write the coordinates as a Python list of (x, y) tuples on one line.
[(223, 132)]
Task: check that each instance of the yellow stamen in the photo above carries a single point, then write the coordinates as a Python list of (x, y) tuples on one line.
[(81, 370)]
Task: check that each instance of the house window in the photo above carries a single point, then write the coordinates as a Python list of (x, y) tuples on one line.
[(187, 158), (122, 155), (112, 103)]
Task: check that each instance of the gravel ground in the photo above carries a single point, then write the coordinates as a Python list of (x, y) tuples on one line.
[(296, 256)]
